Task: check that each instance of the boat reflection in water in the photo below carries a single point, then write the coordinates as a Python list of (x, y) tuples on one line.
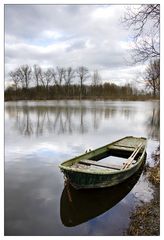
[(79, 206)]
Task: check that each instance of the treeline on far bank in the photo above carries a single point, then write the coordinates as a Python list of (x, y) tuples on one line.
[(75, 91)]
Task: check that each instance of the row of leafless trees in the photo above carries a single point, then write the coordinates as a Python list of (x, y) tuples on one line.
[(60, 81), (25, 75)]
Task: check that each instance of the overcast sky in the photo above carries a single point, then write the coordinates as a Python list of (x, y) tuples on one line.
[(70, 35)]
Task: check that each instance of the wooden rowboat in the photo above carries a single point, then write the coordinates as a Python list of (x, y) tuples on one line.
[(88, 171)]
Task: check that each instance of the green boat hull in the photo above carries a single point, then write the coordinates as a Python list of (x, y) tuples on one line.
[(82, 178)]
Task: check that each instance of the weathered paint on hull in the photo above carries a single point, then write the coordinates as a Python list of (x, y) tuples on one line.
[(86, 180)]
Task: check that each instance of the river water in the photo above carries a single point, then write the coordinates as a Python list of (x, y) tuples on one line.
[(39, 135)]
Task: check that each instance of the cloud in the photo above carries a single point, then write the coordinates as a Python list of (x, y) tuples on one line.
[(67, 35)]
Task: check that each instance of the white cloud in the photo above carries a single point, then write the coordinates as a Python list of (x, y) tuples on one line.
[(51, 34), (68, 35)]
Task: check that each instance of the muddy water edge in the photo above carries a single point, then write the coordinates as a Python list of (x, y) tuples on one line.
[(145, 219)]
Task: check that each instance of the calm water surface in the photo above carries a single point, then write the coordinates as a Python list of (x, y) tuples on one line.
[(39, 135)]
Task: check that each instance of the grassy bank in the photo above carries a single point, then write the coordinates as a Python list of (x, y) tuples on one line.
[(145, 220)]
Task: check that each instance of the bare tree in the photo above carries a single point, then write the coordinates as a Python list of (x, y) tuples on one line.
[(20, 76), (15, 77), (83, 74), (54, 76), (152, 76), (48, 77), (144, 20), (25, 73), (37, 73), (41, 78), (96, 78), (60, 72), (69, 75)]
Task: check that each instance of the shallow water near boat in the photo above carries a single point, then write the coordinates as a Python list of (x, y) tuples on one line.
[(39, 135)]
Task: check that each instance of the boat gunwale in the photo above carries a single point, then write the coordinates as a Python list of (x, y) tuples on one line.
[(104, 172)]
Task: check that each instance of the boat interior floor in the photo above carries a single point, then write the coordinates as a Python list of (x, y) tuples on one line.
[(95, 165)]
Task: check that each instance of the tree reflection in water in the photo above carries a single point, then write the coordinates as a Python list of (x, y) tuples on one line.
[(68, 119), (35, 120), (153, 124)]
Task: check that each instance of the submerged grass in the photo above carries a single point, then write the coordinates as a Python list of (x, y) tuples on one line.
[(154, 175), (154, 172), (145, 220)]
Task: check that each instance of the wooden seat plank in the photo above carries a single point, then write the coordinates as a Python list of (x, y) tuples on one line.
[(95, 163), (124, 146)]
